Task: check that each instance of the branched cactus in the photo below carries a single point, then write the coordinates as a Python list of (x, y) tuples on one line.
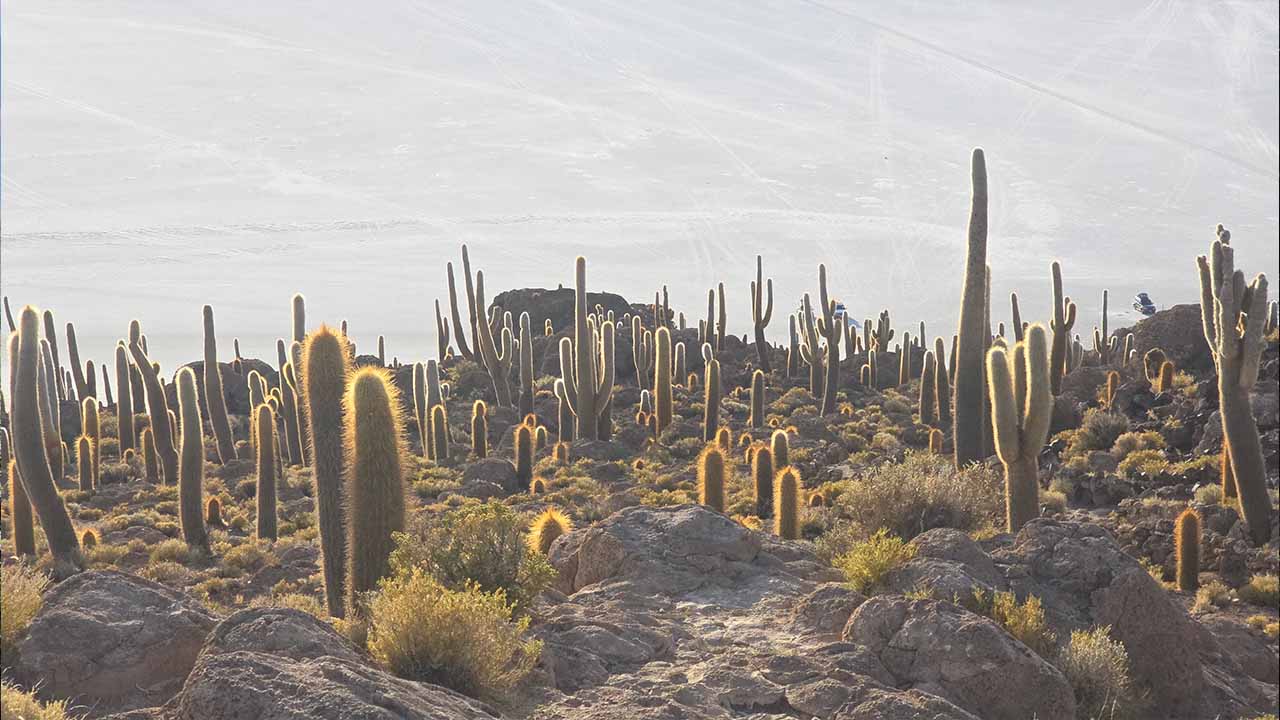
[(375, 485), (830, 328), (711, 395), (545, 528), (786, 503), (191, 470), (461, 331), (480, 429), (1021, 404), (497, 361), (641, 351), (586, 363), (1233, 315), (523, 447), (663, 405), (757, 399), (761, 312), (809, 351), (1101, 342), (325, 369), (1064, 318), (265, 495), (762, 470), (213, 397), (1186, 540), (970, 378), (711, 477)]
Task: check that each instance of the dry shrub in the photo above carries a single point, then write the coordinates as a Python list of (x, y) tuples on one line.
[(1098, 669), (21, 594)]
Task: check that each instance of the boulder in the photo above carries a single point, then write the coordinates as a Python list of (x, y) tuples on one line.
[(1177, 331), (235, 387), (491, 471), (945, 650), (285, 664), (113, 639), (557, 306)]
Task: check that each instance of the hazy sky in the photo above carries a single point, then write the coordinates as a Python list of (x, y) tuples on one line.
[(161, 154)]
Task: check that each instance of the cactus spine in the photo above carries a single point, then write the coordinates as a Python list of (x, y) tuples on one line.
[(1186, 537), (375, 487), (711, 477), (325, 369), (191, 471), (1233, 315), (524, 455), (762, 470), (480, 429), (213, 397), (711, 396), (663, 409), (757, 399), (970, 378), (497, 363), (586, 363), (1064, 318), (266, 492), (1021, 403), (91, 429), (761, 312), (786, 504), (124, 406), (158, 409)]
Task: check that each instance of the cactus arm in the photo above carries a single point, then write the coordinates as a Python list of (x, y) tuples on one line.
[(1038, 410), (1251, 342), (459, 334)]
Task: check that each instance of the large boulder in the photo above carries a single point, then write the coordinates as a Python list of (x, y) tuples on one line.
[(112, 640), (945, 650), (235, 386), (285, 664), (1177, 331), (557, 306)]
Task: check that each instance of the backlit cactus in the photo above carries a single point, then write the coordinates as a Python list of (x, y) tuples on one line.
[(1102, 344), (1186, 541), (523, 448), (150, 459), (526, 364), (935, 441), (642, 350), (124, 405), (762, 470), (84, 463), (1164, 382), (1021, 402), (480, 429), (786, 503), (586, 363), (1152, 361), (711, 396), (761, 312), (213, 396), (1064, 318), (928, 391), (460, 331), (326, 367), (545, 528), (91, 429), (213, 512), (1109, 393), (158, 409), (780, 446), (265, 495), (440, 434), (662, 399), (970, 381), (711, 477), (904, 360), (442, 335), (496, 354), (191, 470), (374, 483)]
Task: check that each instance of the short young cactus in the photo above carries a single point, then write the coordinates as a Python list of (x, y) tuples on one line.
[(1186, 540), (786, 503), (545, 528), (265, 496), (762, 470), (523, 447), (757, 399), (480, 429)]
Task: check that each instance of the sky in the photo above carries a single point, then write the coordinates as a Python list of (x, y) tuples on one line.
[(158, 155)]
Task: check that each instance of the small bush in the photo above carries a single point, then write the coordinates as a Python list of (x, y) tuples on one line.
[(462, 639), (1133, 441), (1098, 669), (1099, 430), (867, 563), (173, 550), (1212, 595), (18, 705), (1143, 463), (246, 558), (1261, 590), (1209, 495), (297, 601), (1024, 621), (21, 594), (480, 543)]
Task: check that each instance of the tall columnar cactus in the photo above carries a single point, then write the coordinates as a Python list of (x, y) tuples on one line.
[(461, 331), (882, 335), (150, 458), (291, 406), (51, 336), (526, 364), (84, 463), (809, 347), (1127, 353), (1017, 318), (928, 391), (191, 471), (680, 371), (762, 469), (1101, 341), (480, 429), (375, 486), (421, 409), (757, 399), (1113, 384), (711, 395), (1021, 404), (641, 351), (663, 406), (124, 406), (722, 318), (497, 361), (266, 492), (442, 334), (1186, 540), (136, 386), (83, 385), (325, 369), (970, 379), (158, 409), (564, 414), (761, 312), (786, 503), (299, 307), (586, 363), (440, 434), (780, 446), (793, 347), (711, 477), (292, 374), (91, 428), (24, 534), (904, 360), (831, 328), (50, 407), (214, 399), (1233, 316), (1228, 480), (873, 369), (523, 447), (1064, 318)]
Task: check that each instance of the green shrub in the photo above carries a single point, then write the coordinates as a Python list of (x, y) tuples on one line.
[(476, 543), (21, 594), (867, 563), (463, 639), (1133, 441), (1024, 621), (1143, 463), (1261, 590), (1098, 669)]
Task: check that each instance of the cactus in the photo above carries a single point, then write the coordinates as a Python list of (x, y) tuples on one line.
[(1151, 363), (1101, 343), (545, 528), (680, 371), (158, 409), (50, 410), (1126, 355), (711, 396), (150, 459), (663, 409), (586, 363), (1021, 405), (91, 429), (970, 379), (641, 351), (780, 446), (793, 347), (1186, 541), (523, 448), (864, 374), (89, 539), (539, 437), (51, 336), (564, 414), (1164, 383), (762, 470), (266, 491), (561, 453), (24, 537), (299, 307), (928, 390), (497, 361), (1228, 480), (325, 369), (1233, 316), (375, 486), (124, 406), (786, 503), (442, 334), (84, 387), (722, 321), (935, 441), (291, 408), (421, 410), (191, 471), (1113, 383), (213, 512), (213, 397), (440, 434), (757, 399), (526, 364), (480, 429), (539, 487), (711, 477), (1064, 318), (904, 361), (809, 347), (831, 330), (84, 463), (299, 400), (761, 312), (458, 328)]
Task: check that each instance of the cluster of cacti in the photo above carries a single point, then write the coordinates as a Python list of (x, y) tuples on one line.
[(497, 354), (1021, 403), (1233, 316), (1103, 344), (830, 328), (586, 364)]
